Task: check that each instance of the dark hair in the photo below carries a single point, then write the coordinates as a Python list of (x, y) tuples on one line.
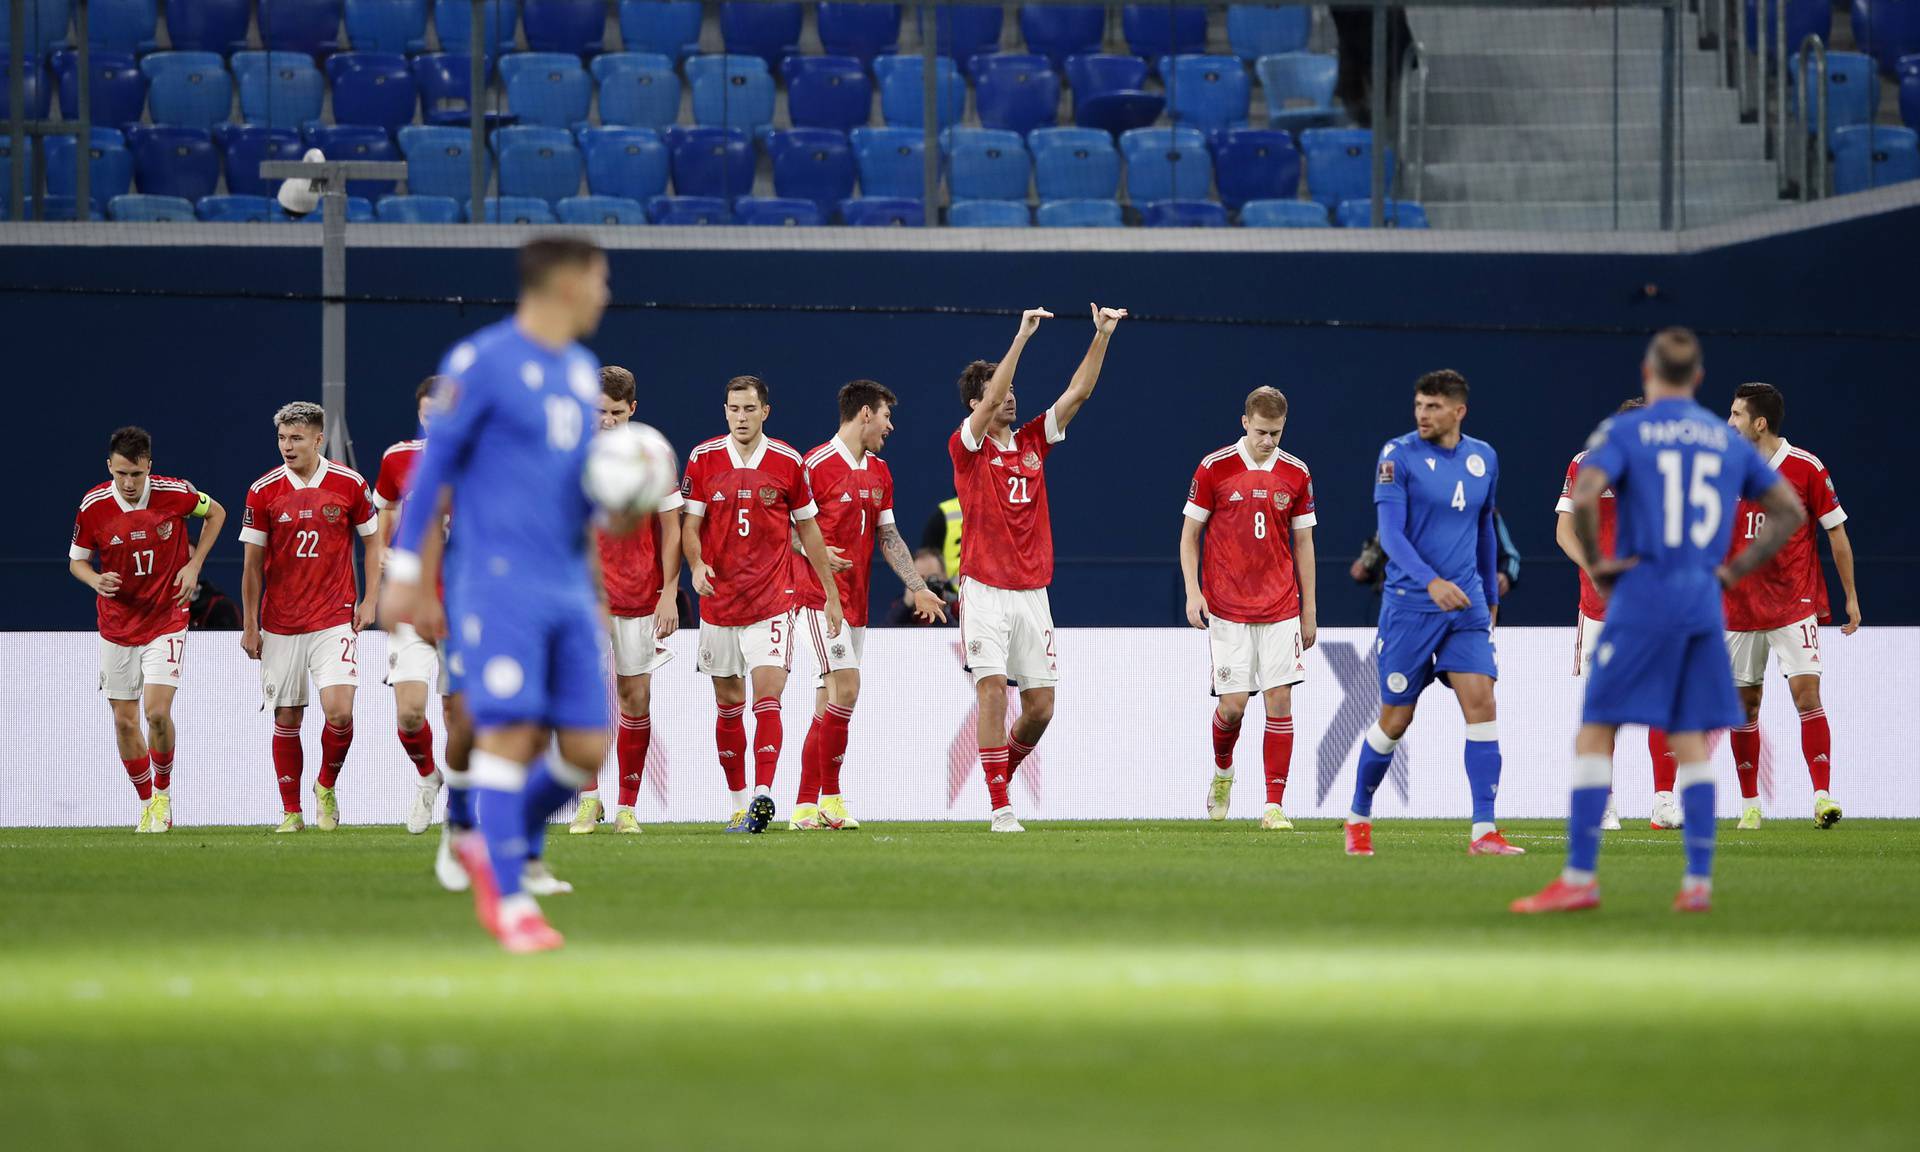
[(1267, 401), (616, 384), (1630, 403), (751, 384), (131, 443), (542, 256), (973, 380), (1764, 401), (860, 394), (1445, 382), (1675, 356), (426, 387)]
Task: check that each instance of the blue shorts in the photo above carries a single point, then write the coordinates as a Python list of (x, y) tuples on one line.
[(1412, 646), (521, 657), (1662, 677)]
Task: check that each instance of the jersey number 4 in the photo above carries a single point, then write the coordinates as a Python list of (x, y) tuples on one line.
[(1701, 495)]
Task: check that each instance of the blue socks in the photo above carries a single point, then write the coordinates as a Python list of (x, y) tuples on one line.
[(1483, 769), (1592, 784), (1376, 756), (503, 825), (1694, 782), (459, 807), (543, 796)]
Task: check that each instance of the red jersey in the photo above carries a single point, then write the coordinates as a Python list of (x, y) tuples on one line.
[(1790, 587), (854, 501), (307, 528), (396, 473), (1006, 538), (145, 543), (630, 564), (748, 504), (1591, 605), (1251, 512)]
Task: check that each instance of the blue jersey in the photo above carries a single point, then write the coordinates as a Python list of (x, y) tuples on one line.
[(1676, 471), (1440, 501)]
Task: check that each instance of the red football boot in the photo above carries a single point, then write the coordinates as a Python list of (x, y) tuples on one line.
[(529, 932), (1494, 844), (1693, 898), (1559, 896), (1359, 839), (471, 851)]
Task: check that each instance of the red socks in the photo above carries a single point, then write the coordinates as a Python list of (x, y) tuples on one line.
[(767, 737), (810, 763), (1816, 744), (1276, 752), (1224, 738), (1746, 758), (730, 734), (162, 769), (334, 743), (993, 763), (289, 762), (1017, 754), (630, 751), (1664, 764), (140, 772), (833, 747), (419, 747)]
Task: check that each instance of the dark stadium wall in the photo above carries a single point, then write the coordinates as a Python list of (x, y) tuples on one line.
[(1550, 343)]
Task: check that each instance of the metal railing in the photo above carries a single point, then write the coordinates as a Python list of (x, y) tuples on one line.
[(20, 128), (1813, 102), (1411, 130)]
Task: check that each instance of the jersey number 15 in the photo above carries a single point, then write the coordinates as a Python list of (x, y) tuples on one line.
[(1701, 496)]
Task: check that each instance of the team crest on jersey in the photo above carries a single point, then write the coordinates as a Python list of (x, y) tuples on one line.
[(973, 647), (878, 496), (1223, 674), (769, 495), (1476, 466), (1282, 499), (165, 530), (1384, 473), (1031, 460), (332, 512), (839, 651)]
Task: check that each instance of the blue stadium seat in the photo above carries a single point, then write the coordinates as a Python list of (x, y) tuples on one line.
[(862, 31), (731, 98), (715, 162), (356, 142), (989, 214), (445, 82), (240, 210), (1080, 214), (1888, 29), (372, 88), (1156, 30), (537, 161), (1210, 93), (1058, 31), (359, 211), (903, 97), (882, 212), (1853, 91), (1167, 164), (207, 25), (828, 92), (1298, 87), (1183, 214), (245, 146), (1804, 18), (139, 207), (1397, 213), (116, 87), (1109, 93), (1256, 30), (988, 164), (109, 166), (1075, 164), (57, 208), (45, 24), (1872, 156), (670, 28), (1016, 92), (890, 161), (387, 25), (437, 160), (122, 25), (767, 30), (688, 210), (1283, 214), (1340, 164), (725, 63), (1256, 164), (776, 212), (38, 96), (637, 89), (309, 26), (514, 210), (418, 210), (963, 31), (170, 161), (591, 210), (1910, 91), (453, 21), (812, 164), (187, 89), (282, 89), (548, 88), (576, 26), (626, 163)]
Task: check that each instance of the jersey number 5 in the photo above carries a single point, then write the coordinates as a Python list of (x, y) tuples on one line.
[(1701, 495)]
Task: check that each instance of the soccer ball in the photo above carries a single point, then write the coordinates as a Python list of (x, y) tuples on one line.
[(630, 468)]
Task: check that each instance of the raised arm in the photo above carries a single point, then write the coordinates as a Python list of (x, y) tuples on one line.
[(1843, 563), (1088, 374), (893, 547), (1001, 382)]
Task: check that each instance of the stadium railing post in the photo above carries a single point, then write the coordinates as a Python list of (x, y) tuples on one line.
[(476, 114)]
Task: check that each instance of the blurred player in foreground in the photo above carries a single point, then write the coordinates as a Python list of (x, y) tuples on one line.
[(1252, 590), (1676, 472), (136, 524)]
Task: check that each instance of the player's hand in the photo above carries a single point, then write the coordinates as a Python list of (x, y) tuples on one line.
[(834, 616), (250, 643), (1196, 610), (837, 561), (430, 619), (1030, 320), (1360, 573), (1309, 631), (666, 615), (927, 606), (703, 579), (363, 614), (106, 584), (185, 583), (1447, 595), (1106, 319), (1608, 570), (1853, 618)]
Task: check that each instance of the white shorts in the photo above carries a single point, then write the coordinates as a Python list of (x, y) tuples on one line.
[(1796, 647), (126, 669), (831, 653), (636, 652), (1008, 633), (411, 660), (329, 657), (1586, 641), (1254, 657), (738, 650)]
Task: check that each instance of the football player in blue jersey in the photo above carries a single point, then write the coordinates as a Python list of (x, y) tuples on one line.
[(1434, 493), (510, 435), (1676, 471)]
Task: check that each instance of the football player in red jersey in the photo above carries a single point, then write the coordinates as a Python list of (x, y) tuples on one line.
[(301, 618), (1252, 589), (1782, 605), (853, 488), (1586, 637), (744, 494), (1006, 551), (136, 524), (642, 582)]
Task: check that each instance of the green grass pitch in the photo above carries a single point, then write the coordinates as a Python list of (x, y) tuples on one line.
[(911, 986)]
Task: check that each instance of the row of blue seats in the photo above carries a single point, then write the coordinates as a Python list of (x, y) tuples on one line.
[(1853, 89)]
